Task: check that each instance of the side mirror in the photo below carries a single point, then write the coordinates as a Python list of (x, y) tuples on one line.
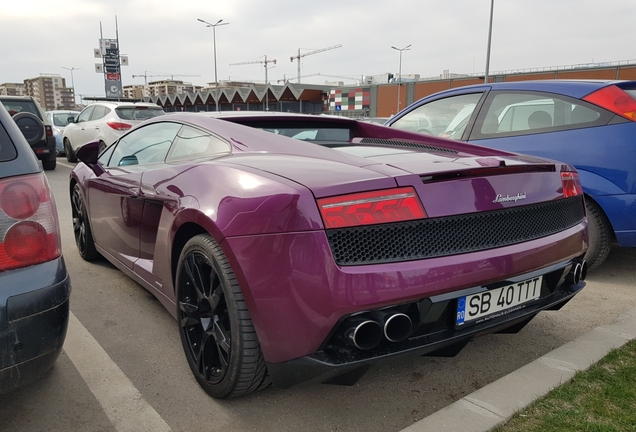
[(128, 160), (88, 153), (70, 119)]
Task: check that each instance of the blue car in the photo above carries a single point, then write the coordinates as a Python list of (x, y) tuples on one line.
[(58, 120), (589, 124)]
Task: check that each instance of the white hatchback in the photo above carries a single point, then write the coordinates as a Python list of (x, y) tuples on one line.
[(105, 122)]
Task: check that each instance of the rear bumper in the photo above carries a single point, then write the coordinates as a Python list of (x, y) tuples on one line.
[(45, 149), (296, 307), (33, 321), (435, 335)]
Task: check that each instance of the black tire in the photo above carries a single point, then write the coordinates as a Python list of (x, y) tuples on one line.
[(82, 227), (31, 127), (102, 147), (215, 327), (601, 235), (70, 154), (49, 164)]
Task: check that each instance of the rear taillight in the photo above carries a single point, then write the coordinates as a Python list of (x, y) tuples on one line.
[(29, 226), (369, 208), (119, 126), (615, 100), (571, 184), (49, 131)]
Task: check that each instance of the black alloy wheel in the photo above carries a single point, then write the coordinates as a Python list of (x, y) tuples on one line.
[(216, 331), (82, 227)]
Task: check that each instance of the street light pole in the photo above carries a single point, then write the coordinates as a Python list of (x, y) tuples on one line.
[(72, 83), (492, 6), (406, 48), (216, 82)]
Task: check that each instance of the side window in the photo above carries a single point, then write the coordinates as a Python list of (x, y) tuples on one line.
[(446, 117), (149, 144), (85, 115), (193, 143), (100, 112), (522, 113)]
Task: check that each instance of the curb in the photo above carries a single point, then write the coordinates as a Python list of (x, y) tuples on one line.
[(497, 402)]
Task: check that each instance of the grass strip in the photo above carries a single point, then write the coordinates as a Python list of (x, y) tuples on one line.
[(601, 399)]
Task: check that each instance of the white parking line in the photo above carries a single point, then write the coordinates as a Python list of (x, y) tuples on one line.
[(119, 398), (67, 165)]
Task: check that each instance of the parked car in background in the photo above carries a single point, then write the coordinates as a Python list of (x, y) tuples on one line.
[(34, 284), (589, 124), (58, 120), (34, 125), (105, 122), (309, 259)]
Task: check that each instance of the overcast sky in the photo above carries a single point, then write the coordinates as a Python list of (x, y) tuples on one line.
[(164, 37)]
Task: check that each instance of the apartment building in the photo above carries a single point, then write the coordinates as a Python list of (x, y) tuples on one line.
[(50, 91), (12, 89), (135, 91), (168, 87)]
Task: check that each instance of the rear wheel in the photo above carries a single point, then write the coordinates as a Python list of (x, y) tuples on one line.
[(49, 164), (600, 235), (216, 330), (102, 147), (70, 154), (82, 227)]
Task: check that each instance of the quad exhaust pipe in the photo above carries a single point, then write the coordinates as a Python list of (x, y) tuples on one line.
[(396, 326), (366, 333), (578, 272), (363, 333)]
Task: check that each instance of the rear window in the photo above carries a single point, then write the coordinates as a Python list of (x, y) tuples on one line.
[(138, 113), (61, 120), (7, 149), (15, 106), (315, 134)]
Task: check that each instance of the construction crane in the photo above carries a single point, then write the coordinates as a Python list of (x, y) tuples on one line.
[(299, 56), (357, 80), (264, 62), (159, 74)]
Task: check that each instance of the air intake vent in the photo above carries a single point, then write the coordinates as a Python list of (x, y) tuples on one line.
[(409, 144), (437, 237)]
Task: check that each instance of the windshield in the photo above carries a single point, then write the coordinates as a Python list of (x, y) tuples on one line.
[(138, 113)]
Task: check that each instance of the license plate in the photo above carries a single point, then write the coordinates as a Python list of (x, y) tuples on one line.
[(498, 301)]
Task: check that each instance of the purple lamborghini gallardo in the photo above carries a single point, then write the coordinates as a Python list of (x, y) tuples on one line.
[(296, 248)]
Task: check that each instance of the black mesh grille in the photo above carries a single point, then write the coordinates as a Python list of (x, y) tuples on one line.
[(453, 235), (396, 143)]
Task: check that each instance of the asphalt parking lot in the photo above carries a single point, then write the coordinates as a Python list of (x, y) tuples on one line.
[(123, 363)]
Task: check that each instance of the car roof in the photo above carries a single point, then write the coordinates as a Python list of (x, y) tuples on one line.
[(264, 115), (16, 97), (115, 104), (573, 88)]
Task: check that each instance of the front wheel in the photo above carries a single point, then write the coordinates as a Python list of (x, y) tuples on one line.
[(600, 235), (216, 330), (82, 226)]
